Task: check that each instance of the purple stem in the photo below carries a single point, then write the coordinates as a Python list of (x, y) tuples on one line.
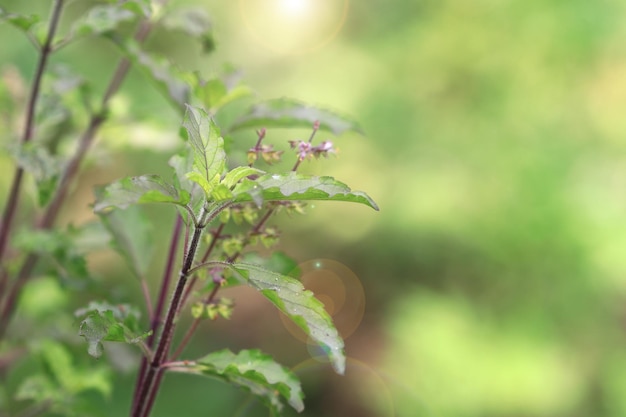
[(29, 126), (70, 172), (157, 318), (151, 381)]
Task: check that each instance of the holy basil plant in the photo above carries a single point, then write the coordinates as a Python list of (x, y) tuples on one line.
[(221, 197), (205, 195)]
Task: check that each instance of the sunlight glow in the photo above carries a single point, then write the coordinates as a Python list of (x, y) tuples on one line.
[(295, 7), (293, 26)]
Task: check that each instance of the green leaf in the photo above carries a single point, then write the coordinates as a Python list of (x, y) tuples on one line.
[(278, 262), (166, 78), (254, 371), (139, 7), (138, 190), (69, 262), (237, 174), (300, 305), (198, 178), (57, 384), (288, 113), (45, 168), (195, 22), (294, 186), (105, 322), (207, 146), (21, 21), (183, 165), (102, 19), (215, 94), (58, 362), (132, 238)]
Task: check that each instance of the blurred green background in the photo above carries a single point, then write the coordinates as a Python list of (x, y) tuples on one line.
[(494, 276)]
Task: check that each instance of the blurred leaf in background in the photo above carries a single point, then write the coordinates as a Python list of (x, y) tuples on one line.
[(495, 273)]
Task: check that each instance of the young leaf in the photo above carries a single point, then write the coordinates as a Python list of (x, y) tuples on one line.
[(182, 165), (209, 158), (198, 178), (131, 237), (285, 112), (136, 190), (294, 186), (105, 322), (194, 22), (300, 305), (167, 80), (255, 372), (237, 174)]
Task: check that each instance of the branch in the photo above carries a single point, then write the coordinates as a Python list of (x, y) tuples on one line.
[(29, 126), (157, 317), (150, 383), (52, 211)]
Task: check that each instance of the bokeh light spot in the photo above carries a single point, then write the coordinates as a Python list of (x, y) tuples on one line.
[(339, 289)]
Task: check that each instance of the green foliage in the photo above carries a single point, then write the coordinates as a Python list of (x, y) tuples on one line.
[(300, 305), (103, 322), (60, 247), (62, 381), (195, 22), (132, 238), (159, 71), (138, 190), (20, 21), (230, 205), (103, 19), (255, 372), (209, 158), (298, 187), (44, 167), (292, 113)]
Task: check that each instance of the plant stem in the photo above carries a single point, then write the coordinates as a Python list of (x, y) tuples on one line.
[(194, 326), (53, 209), (150, 383), (216, 234), (13, 293), (183, 344), (29, 126), (47, 222), (157, 317)]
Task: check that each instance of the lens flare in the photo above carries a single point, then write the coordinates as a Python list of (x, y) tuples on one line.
[(338, 288), (293, 26)]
